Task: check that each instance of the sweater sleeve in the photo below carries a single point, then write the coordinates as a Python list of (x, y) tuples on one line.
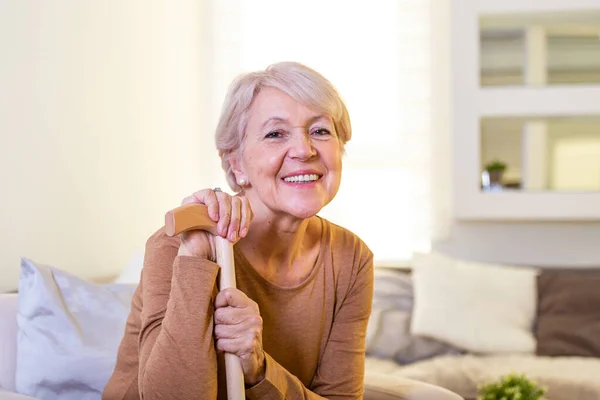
[(340, 375), (176, 348)]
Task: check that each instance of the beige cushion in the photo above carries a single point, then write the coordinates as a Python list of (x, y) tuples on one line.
[(385, 387)]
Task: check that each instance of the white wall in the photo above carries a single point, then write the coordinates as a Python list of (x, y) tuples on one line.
[(548, 244), (101, 129)]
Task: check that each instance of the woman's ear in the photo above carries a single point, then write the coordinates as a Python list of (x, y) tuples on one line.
[(236, 167)]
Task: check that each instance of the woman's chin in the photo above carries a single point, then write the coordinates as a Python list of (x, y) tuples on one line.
[(304, 211), (305, 214)]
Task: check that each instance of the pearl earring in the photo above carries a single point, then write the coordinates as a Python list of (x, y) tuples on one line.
[(243, 182)]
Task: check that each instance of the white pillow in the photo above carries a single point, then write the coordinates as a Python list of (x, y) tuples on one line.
[(69, 333), (482, 308)]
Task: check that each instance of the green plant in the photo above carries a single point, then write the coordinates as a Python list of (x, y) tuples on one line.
[(495, 165), (511, 387)]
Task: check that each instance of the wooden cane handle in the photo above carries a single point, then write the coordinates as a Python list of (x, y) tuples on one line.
[(189, 217), (195, 217)]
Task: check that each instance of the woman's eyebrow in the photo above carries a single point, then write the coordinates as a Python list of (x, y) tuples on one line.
[(274, 119), (318, 117), (310, 120)]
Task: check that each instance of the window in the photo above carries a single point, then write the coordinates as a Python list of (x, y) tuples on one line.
[(378, 55)]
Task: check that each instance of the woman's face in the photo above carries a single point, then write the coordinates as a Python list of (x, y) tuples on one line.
[(291, 156)]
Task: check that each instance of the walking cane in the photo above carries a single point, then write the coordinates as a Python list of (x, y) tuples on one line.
[(195, 217)]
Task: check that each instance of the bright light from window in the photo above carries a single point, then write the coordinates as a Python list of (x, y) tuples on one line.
[(377, 54)]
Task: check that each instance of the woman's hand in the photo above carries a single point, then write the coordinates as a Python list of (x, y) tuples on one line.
[(238, 330), (233, 215)]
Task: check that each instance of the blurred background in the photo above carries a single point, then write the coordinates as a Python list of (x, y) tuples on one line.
[(108, 108)]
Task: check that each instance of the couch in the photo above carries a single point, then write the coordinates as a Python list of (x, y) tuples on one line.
[(460, 324), (419, 344), (58, 302)]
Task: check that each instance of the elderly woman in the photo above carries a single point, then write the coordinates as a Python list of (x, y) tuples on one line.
[(299, 316)]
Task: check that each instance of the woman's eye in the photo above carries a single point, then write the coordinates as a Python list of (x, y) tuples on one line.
[(321, 132), (273, 134)]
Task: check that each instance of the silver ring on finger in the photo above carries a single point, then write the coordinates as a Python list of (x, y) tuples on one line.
[(217, 189)]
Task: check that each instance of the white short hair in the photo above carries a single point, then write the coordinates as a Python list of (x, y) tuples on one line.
[(298, 81)]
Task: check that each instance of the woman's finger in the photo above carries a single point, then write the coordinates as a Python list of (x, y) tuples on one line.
[(224, 213), (188, 200), (236, 215), (208, 198), (239, 319), (242, 345), (223, 331), (247, 216), (232, 346), (230, 316), (233, 297), (246, 327)]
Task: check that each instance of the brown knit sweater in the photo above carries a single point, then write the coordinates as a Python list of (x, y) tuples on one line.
[(313, 334)]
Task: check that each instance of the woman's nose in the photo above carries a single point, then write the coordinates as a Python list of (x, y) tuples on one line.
[(301, 146)]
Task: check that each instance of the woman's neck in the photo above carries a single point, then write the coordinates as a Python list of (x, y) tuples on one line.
[(276, 240), (283, 250)]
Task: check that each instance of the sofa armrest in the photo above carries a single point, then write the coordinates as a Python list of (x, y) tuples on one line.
[(6, 395), (8, 340), (385, 387)]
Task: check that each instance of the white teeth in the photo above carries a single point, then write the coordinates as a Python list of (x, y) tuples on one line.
[(302, 178)]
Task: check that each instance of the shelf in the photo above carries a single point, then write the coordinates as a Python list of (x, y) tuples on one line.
[(539, 6), (540, 101), (471, 103), (528, 206)]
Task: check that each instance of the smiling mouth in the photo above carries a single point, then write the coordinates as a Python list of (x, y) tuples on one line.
[(306, 178)]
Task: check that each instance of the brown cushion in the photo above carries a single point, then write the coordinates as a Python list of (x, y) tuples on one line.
[(568, 321)]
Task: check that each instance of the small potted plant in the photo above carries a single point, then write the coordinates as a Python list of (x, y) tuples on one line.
[(495, 169), (512, 387)]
